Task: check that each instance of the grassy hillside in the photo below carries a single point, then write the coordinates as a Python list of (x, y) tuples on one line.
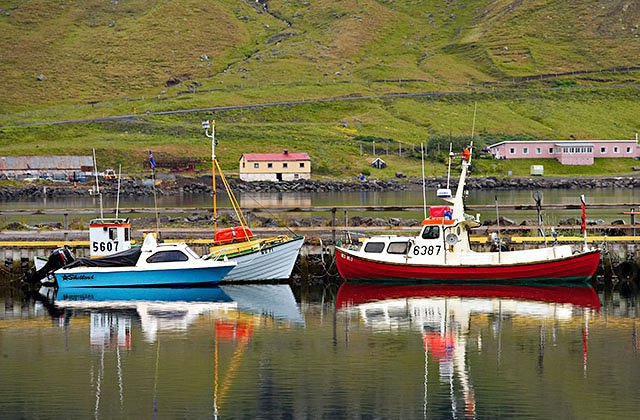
[(538, 69)]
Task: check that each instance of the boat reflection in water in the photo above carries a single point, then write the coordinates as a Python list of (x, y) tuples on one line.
[(233, 311), (442, 314), (112, 310)]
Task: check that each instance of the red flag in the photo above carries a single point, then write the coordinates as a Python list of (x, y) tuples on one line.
[(583, 225)]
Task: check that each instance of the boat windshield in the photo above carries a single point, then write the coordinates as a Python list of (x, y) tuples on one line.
[(191, 252), (431, 232)]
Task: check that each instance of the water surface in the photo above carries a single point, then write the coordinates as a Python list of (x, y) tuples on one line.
[(328, 351)]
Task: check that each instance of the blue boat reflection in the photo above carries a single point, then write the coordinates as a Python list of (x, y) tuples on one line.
[(113, 310)]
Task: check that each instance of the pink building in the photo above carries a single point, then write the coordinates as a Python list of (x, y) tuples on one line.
[(568, 152)]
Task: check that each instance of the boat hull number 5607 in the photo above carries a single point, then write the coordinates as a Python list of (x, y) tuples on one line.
[(427, 249), (104, 246)]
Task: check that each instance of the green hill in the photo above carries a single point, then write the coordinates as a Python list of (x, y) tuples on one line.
[(344, 71)]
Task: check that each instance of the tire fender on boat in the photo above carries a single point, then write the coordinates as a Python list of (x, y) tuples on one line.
[(627, 271)]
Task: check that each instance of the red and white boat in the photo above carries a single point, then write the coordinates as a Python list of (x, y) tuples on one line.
[(442, 251)]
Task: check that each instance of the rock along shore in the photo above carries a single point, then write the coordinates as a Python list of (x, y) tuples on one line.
[(182, 185)]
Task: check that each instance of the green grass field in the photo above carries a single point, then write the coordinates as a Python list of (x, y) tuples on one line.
[(95, 59)]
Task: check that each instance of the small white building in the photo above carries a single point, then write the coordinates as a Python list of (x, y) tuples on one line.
[(283, 166), (19, 167)]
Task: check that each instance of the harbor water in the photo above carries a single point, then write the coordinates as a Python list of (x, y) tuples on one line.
[(330, 350), (263, 202)]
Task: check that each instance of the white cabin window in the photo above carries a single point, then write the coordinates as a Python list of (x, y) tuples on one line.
[(398, 248), (375, 247), (431, 232)]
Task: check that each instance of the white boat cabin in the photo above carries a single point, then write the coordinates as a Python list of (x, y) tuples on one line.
[(108, 236)]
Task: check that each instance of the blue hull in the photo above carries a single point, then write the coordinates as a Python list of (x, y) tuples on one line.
[(142, 278), (167, 294)]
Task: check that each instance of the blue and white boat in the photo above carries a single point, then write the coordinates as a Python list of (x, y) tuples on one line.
[(150, 265)]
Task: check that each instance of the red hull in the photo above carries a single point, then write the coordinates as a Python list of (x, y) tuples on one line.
[(577, 267), (351, 294)]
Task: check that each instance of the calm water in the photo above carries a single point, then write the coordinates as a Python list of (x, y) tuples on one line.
[(364, 198), (334, 351)]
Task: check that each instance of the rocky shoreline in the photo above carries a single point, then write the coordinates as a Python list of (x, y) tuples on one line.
[(182, 185)]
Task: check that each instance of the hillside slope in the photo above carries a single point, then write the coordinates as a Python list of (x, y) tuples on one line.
[(100, 49), (540, 68)]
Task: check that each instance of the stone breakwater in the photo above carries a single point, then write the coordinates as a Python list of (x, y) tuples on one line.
[(203, 186)]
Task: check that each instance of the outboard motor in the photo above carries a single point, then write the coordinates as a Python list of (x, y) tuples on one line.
[(58, 259)]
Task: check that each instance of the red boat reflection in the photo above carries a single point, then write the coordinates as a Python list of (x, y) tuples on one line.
[(443, 315), (583, 295)]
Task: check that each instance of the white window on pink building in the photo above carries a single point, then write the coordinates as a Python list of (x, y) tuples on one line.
[(538, 150), (628, 150), (603, 149), (616, 149), (525, 150), (512, 151), (551, 150)]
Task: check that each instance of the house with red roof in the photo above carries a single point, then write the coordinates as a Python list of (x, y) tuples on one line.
[(283, 166)]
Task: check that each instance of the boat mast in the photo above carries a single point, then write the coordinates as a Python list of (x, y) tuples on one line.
[(95, 171), (424, 187), (118, 193), (449, 167), (212, 136)]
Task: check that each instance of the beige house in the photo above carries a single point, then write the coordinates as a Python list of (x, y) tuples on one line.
[(283, 166)]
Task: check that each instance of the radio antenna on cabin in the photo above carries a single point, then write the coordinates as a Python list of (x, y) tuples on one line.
[(95, 171), (449, 168), (118, 193), (424, 187)]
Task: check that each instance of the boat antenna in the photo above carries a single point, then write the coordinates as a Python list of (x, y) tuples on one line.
[(449, 169), (583, 221), (424, 187), (537, 197), (206, 124), (473, 126), (498, 224), (95, 171), (118, 193), (152, 165)]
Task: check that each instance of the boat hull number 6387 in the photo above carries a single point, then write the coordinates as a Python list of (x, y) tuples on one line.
[(427, 249)]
